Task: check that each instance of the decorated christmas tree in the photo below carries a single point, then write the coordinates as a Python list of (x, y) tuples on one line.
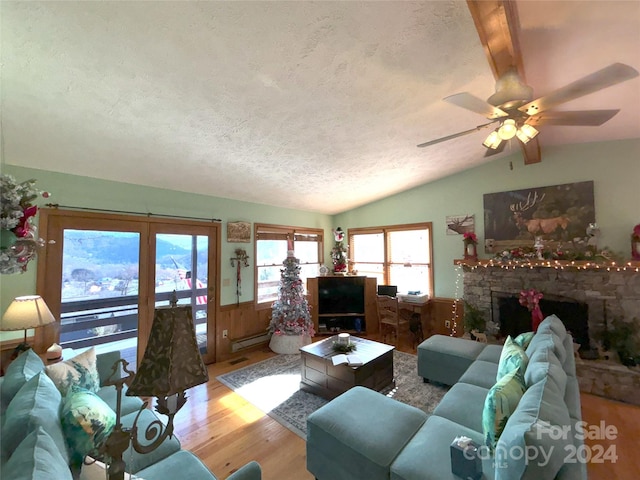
[(290, 312)]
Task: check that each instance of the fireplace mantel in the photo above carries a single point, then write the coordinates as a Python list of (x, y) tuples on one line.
[(556, 264)]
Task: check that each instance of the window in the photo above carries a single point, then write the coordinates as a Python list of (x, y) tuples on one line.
[(396, 255), (272, 243)]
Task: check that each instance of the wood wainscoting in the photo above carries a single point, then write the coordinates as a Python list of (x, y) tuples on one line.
[(241, 321), (442, 311)]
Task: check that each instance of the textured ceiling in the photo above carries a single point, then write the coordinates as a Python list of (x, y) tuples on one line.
[(309, 105)]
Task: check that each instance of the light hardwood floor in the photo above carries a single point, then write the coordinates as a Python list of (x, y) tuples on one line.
[(226, 431)]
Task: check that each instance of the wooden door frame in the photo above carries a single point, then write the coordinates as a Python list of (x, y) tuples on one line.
[(52, 222)]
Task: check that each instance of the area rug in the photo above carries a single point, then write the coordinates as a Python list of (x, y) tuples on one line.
[(273, 386)]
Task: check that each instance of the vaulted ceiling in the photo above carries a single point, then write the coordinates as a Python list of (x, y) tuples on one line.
[(310, 105)]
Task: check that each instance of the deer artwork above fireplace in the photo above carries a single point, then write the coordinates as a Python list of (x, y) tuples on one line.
[(557, 213)]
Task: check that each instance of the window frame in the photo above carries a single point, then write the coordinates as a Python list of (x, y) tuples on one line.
[(282, 232), (386, 263)]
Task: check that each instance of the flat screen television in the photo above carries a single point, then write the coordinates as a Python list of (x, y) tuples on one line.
[(341, 295)]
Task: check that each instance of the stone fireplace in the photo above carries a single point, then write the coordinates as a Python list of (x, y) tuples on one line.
[(586, 299)]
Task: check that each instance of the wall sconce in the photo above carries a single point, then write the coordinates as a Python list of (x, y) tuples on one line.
[(171, 365)]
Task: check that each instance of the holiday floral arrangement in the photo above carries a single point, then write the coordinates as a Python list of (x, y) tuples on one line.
[(18, 235), (469, 237), (531, 299)]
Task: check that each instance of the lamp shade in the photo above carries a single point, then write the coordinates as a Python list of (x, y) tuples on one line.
[(29, 311), (172, 362)]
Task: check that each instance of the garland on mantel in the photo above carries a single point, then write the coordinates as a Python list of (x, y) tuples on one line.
[(557, 264)]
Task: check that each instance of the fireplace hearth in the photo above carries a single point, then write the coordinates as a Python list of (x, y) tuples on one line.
[(586, 299)]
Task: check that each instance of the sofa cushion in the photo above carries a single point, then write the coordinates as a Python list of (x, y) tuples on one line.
[(19, 371), (444, 359), (96, 470), (87, 422), (110, 397), (499, 405), (491, 353), (182, 464), (427, 456), (337, 450), (534, 428), (37, 457), (80, 370), (542, 364), (472, 397), (36, 404), (512, 357), (137, 461), (546, 336), (480, 373)]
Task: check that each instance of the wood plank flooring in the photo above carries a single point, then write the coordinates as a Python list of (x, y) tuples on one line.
[(226, 431)]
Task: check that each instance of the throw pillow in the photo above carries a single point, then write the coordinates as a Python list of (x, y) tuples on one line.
[(87, 422), (19, 371), (36, 404), (37, 458), (524, 339), (512, 357), (80, 370), (500, 403)]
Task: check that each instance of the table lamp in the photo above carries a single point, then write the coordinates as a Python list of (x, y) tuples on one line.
[(26, 312)]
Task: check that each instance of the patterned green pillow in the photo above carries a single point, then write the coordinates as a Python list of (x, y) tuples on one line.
[(524, 339), (87, 422), (512, 357), (80, 370), (500, 403)]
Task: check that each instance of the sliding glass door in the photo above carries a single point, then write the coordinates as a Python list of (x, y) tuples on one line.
[(105, 274)]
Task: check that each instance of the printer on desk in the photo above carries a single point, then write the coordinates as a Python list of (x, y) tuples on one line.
[(414, 297)]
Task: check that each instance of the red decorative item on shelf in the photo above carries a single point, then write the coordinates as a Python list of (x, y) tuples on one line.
[(531, 299), (470, 243), (635, 243)]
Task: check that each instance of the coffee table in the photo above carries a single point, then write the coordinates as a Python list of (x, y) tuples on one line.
[(321, 377)]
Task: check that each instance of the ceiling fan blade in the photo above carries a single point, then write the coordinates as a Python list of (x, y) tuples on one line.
[(468, 101), (455, 135), (587, 118), (608, 76)]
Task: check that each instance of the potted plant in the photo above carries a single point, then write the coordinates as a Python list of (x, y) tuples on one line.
[(621, 337), (473, 320)]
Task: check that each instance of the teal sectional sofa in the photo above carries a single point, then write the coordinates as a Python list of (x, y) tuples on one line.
[(36, 442), (365, 435)]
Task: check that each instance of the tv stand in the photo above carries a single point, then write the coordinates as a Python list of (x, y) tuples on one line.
[(332, 323)]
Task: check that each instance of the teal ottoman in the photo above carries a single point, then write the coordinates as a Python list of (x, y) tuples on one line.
[(444, 359), (358, 435)]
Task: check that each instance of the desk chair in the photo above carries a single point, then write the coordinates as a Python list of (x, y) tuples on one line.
[(389, 317)]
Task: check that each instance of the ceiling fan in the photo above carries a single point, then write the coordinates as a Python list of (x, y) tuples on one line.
[(517, 115)]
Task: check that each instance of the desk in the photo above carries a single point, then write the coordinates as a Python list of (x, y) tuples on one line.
[(422, 309)]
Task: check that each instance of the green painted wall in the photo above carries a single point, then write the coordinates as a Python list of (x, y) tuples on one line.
[(77, 191), (613, 166)]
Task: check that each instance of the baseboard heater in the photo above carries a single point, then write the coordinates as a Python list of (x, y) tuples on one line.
[(246, 342)]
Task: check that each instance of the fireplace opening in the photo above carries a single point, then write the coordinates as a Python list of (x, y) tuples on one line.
[(515, 319)]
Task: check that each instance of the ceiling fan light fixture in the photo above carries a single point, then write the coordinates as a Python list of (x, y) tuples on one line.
[(508, 129), (493, 141), (526, 132)]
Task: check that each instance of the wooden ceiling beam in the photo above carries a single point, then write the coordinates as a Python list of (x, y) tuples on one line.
[(498, 27)]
